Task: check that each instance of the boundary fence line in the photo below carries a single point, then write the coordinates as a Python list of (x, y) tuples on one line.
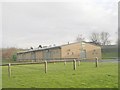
[(48, 61), (45, 64)]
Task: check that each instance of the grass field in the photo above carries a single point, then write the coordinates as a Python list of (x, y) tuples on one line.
[(59, 76), (6, 61), (110, 55)]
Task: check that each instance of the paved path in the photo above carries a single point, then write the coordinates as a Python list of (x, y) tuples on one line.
[(103, 60), (110, 60)]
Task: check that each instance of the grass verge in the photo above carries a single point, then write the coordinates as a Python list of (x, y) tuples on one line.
[(59, 76)]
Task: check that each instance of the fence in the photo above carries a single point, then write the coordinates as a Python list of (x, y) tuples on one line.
[(75, 61)]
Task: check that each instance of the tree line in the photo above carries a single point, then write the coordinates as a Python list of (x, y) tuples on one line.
[(102, 38), (9, 53)]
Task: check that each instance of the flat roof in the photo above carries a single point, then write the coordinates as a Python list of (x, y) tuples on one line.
[(39, 49), (80, 42)]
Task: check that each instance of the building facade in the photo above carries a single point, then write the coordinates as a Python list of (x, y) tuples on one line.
[(76, 50)]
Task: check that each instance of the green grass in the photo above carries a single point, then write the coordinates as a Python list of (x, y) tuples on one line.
[(109, 55), (59, 76), (6, 61)]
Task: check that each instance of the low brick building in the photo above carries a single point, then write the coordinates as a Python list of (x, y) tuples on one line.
[(76, 50)]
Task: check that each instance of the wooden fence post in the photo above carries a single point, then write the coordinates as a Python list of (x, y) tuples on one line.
[(54, 62), (9, 70), (74, 64), (65, 63), (78, 62), (45, 66), (96, 62)]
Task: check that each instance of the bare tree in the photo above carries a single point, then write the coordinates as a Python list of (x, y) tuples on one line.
[(95, 38), (100, 38), (104, 38), (80, 38)]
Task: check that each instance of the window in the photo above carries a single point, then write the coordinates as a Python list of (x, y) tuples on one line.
[(67, 53), (47, 50), (68, 50), (94, 52), (72, 53)]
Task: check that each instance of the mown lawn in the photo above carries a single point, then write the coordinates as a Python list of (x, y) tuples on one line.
[(6, 61), (109, 55), (59, 76)]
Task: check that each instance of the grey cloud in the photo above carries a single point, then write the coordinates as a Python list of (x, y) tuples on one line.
[(26, 24)]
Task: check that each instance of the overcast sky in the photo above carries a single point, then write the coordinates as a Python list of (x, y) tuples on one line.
[(26, 24)]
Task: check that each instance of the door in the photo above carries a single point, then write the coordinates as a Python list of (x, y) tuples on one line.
[(83, 54), (33, 57), (47, 55)]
